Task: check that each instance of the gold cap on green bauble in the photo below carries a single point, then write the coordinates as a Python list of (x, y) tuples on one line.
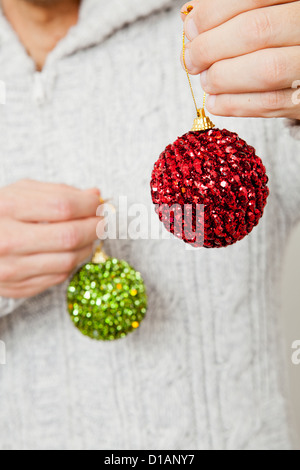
[(202, 122)]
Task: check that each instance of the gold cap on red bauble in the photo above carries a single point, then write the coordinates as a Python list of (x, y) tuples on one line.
[(202, 122)]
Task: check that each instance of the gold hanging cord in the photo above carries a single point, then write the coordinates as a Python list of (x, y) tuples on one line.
[(202, 122)]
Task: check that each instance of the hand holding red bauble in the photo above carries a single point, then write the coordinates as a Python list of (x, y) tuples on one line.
[(214, 168)]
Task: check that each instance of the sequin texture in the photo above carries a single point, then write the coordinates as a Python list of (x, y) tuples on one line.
[(218, 169), (107, 301)]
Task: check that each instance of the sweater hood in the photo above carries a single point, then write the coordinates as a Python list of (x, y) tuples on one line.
[(99, 19)]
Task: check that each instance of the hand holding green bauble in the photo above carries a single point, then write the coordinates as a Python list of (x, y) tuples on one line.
[(107, 298)]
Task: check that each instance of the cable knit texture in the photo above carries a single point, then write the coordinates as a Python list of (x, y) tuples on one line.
[(204, 371)]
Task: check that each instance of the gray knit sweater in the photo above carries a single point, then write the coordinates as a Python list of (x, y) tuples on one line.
[(205, 370)]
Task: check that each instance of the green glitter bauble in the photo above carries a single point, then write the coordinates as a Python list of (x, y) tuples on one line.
[(107, 301)]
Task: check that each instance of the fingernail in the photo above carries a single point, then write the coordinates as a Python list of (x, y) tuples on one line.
[(203, 78), (95, 190), (191, 29), (211, 101), (187, 59)]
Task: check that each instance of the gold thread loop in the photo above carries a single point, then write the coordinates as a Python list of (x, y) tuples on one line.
[(202, 122), (187, 72)]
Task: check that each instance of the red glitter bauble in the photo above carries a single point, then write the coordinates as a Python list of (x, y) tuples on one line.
[(219, 170)]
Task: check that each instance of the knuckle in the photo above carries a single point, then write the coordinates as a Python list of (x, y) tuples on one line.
[(274, 69), (61, 278), (70, 238), (6, 245), (205, 58), (257, 28), (272, 100), (56, 279), (7, 273), (70, 262), (64, 208), (228, 105), (8, 203), (215, 79), (87, 252), (84, 255)]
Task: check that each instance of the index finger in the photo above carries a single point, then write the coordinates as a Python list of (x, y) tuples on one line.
[(49, 204), (208, 14)]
